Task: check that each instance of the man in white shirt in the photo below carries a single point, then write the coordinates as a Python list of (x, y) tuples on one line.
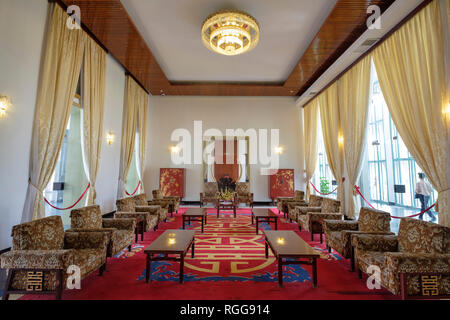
[(423, 192)]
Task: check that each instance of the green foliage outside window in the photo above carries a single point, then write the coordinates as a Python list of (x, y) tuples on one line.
[(324, 185)]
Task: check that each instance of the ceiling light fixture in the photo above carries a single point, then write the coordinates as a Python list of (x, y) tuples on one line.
[(230, 32)]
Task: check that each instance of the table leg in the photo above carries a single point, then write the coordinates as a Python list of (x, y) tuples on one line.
[(184, 221), (206, 219), (280, 272), (252, 219), (142, 232), (136, 231), (202, 224), (193, 249), (234, 211), (147, 270), (267, 250), (276, 223), (314, 267), (182, 268), (218, 210), (257, 223)]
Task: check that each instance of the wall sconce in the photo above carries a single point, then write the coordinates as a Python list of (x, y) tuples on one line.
[(279, 150), (5, 103), (341, 140), (110, 137), (175, 149), (446, 109)]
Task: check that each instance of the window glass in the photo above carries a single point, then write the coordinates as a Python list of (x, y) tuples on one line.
[(393, 172), (69, 180)]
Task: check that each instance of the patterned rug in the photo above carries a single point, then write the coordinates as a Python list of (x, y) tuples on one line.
[(229, 263)]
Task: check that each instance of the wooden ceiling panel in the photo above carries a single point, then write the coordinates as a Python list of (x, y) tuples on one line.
[(110, 23)]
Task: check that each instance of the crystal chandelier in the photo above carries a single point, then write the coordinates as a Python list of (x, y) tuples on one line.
[(230, 32)]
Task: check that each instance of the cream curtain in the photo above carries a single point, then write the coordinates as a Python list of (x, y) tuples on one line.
[(94, 81), (57, 86), (410, 67), (129, 129), (354, 92), (311, 118), (142, 130), (331, 130)]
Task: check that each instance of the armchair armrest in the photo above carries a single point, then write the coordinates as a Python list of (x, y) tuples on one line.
[(401, 262), (85, 240), (319, 216), (374, 242), (333, 225), (148, 209), (37, 259), (120, 224), (160, 202), (305, 209)]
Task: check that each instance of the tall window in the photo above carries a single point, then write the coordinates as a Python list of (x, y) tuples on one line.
[(390, 172), (323, 178), (69, 179), (132, 180)]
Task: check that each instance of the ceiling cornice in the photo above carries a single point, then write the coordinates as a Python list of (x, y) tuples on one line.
[(109, 22)]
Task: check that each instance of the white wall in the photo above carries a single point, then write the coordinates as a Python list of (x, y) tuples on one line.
[(108, 174), (20, 53), (169, 113), (20, 56)]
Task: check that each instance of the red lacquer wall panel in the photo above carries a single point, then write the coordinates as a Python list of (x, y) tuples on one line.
[(172, 182), (281, 184)]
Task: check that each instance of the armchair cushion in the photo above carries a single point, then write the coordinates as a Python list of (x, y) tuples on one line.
[(371, 220), (151, 221), (42, 234), (125, 205), (333, 225), (86, 218)]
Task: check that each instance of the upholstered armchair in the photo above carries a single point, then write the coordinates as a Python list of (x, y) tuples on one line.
[(211, 191), (120, 231), (172, 203), (338, 233), (295, 208), (243, 194), (311, 218), (151, 215), (283, 203), (42, 253), (415, 263), (142, 204)]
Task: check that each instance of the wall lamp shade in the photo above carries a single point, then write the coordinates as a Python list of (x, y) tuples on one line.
[(5, 103), (175, 149), (110, 138), (446, 109), (279, 150)]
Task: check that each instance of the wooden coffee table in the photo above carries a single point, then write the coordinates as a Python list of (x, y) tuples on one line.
[(289, 245), (174, 242), (196, 214), (225, 205), (264, 215)]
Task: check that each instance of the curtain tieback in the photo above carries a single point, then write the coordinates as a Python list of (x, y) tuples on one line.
[(36, 188)]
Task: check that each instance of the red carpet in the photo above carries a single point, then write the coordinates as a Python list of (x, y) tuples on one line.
[(229, 264)]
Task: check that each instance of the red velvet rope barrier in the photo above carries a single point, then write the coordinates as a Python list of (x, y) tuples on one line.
[(357, 188), (139, 184), (72, 206), (325, 194)]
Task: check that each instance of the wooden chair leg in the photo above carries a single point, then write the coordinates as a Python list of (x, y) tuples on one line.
[(60, 287), (359, 273), (8, 285)]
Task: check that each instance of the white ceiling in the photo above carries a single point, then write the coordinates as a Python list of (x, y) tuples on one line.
[(172, 30)]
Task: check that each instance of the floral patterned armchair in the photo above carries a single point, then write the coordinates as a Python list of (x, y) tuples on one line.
[(243, 194), (171, 203), (295, 208), (414, 263), (338, 233), (142, 204), (311, 218), (120, 231), (283, 202), (151, 215), (211, 191), (42, 252)]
